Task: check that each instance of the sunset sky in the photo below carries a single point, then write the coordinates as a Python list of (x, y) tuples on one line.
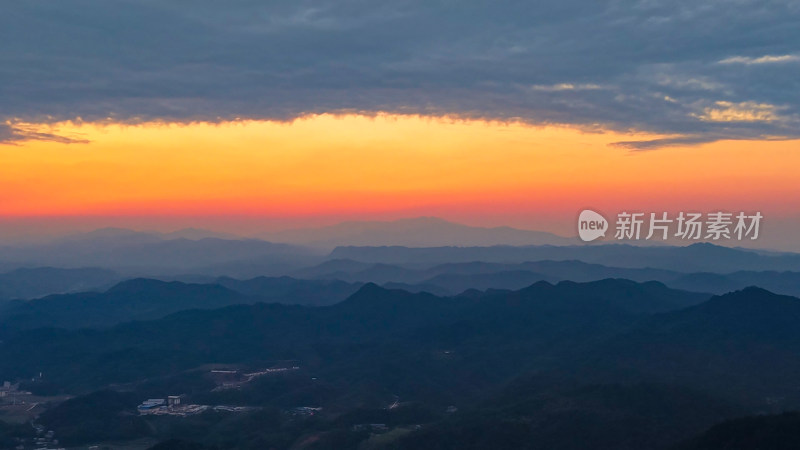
[(157, 114)]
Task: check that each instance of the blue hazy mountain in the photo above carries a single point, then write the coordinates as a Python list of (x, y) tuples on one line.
[(139, 253), (138, 299), (773, 432), (453, 278), (534, 318), (743, 344), (414, 232), (147, 299), (35, 282), (700, 257), (614, 363)]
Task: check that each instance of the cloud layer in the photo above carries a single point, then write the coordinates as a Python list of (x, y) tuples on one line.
[(698, 71)]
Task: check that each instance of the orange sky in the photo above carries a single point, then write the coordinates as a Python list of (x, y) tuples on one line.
[(330, 165)]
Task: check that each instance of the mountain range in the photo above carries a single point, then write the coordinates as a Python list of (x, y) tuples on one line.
[(135, 253), (147, 299), (699, 257), (414, 232), (557, 347), (613, 362)]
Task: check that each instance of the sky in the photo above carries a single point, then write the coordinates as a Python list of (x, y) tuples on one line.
[(251, 114)]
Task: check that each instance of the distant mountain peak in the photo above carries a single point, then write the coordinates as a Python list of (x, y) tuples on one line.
[(192, 233), (370, 289), (422, 231), (753, 305), (370, 295), (139, 284), (115, 232), (541, 285), (757, 290), (749, 293), (150, 285)]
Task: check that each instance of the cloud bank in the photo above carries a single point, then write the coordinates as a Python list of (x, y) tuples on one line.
[(701, 71)]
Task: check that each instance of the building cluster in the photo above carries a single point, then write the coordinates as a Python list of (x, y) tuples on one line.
[(234, 408), (12, 396), (305, 410), (173, 406), (44, 440), (372, 427), (7, 388), (234, 379), (169, 405)]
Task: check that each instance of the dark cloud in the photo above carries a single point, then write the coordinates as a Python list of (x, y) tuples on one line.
[(10, 135), (699, 70)]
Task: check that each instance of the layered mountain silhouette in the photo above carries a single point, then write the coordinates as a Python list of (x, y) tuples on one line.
[(139, 299), (415, 232), (607, 364), (520, 328), (453, 278), (147, 299), (744, 344), (700, 257), (536, 414), (132, 252), (772, 432), (40, 281)]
